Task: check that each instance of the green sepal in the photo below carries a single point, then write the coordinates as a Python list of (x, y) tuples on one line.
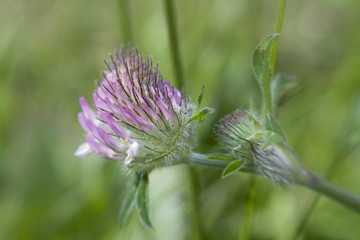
[(222, 156), (232, 168), (274, 131), (201, 113), (143, 202), (126, 206)]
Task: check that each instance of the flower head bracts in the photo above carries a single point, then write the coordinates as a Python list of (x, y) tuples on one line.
[(139, 117), (243, 134)]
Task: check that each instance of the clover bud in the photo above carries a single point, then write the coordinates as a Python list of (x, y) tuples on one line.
[(244, 135)]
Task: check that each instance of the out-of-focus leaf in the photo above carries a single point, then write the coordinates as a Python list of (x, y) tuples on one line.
[(263, 69), (204, 111), (281, 84), (199, 99), (222, 156), (126, 206), (143, 202), (274, 133), (233, 167)]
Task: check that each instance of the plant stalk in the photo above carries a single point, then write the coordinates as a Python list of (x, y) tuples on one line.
[(174, 43), (306, 179), (321, 185)]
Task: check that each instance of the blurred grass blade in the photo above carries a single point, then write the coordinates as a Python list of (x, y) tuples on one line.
[(263, 69), (126, 206), (142, 202), (232, 168)]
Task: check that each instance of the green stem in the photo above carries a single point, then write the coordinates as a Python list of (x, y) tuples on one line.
[(306, 179), (125, 20), (197, 232), (174, 43), (320, 185), (337, 160), (278, 27)]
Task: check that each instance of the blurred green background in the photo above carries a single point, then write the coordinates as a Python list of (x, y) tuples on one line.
[(51, 52)]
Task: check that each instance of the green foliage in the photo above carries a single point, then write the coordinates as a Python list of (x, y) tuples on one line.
[(143, 201), (262, 65), (200, 114), (232, 168), (50, 54), (274, 131), (127, 205)]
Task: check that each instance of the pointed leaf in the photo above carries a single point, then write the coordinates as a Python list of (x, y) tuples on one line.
[(199, 99), (142, 202), (126, 206), (263, 69), (274, 133), (262, 58), (204, 111), (222, 156), (232, 168), (270, 138)]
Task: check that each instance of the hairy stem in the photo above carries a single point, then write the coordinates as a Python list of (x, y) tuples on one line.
[(306, 178)]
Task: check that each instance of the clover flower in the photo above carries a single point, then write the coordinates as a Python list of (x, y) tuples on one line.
[(139, 118), (244, 135)]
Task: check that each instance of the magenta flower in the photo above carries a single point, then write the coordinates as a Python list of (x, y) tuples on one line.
[(139, 118)]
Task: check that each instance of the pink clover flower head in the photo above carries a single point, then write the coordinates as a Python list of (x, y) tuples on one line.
[(138, 118)]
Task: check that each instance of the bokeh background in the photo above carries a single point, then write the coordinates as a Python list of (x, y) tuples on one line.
[(51, 53)]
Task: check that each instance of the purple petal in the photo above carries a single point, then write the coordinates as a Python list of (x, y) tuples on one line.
[(88, 112), (99, 148)]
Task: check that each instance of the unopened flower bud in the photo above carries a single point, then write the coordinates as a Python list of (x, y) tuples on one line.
[(244, 135)]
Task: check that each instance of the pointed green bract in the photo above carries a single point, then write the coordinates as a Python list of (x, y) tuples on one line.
[(142, 201), (126, 206), (262, 66), (199, 99), (202, 112), (232, 168), (274, 131)]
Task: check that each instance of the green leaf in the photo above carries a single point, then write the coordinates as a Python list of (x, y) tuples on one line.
[(199, 99), (263, 69), (270, 138), (142, 202), (233, 167), (126, 206), (199, 115), (274, 133), (280, 85), (262, 58), (222, 156)]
